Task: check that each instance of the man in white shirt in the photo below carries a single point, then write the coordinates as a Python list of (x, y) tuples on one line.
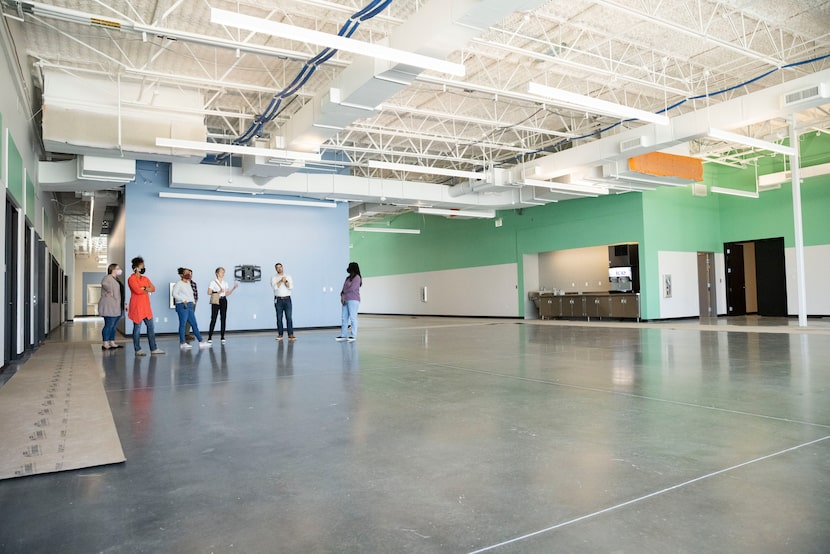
[(282, 283)]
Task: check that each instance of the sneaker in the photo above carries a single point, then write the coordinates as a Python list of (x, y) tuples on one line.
[(223, 341), (204, 344), (351, 339), (210, 341), (140, 353), (340, 339), (279, 337), (159, 351), (292, 337), (185, 346)]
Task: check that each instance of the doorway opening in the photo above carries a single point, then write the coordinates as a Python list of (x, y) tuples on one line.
[(756, 277)]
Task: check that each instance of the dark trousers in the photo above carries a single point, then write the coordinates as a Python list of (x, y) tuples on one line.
[(283, 306), (220, 309)]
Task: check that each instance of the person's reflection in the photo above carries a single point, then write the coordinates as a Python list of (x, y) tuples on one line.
[(112, 377), (285, 359), (350, 358), (141, 398), (219, 364)]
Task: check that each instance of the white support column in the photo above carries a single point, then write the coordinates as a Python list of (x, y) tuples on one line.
[(799, 228)]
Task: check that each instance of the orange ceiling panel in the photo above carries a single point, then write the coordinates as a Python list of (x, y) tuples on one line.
[(668, 165)]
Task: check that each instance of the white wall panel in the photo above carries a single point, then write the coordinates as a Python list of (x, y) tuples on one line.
[(476, 291), (684, 300)]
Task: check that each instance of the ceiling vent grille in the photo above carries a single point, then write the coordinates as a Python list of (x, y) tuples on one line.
[(633, 144), (804, 95)]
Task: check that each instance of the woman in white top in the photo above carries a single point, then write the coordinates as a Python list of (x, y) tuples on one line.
[(219, 285), (185, 302)]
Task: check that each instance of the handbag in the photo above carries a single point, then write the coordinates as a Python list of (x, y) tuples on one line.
[(214, 298)]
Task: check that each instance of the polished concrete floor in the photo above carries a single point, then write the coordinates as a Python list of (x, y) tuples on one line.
[(453, 435)]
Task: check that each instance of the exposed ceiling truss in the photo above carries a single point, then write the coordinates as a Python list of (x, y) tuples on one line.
[(677, 56)]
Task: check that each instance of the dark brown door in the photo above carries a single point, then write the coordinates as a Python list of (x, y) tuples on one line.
[(735, 279)]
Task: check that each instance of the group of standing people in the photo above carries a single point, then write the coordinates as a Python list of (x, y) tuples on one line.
[(111, 305)]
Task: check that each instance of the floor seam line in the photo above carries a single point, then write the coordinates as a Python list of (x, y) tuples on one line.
[(650, 495)]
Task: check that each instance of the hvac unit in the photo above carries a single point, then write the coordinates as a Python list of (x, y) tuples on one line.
[(117, 170), (812, 92)]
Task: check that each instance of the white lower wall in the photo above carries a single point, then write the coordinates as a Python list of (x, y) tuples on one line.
[(476, 291), (816, 271), (682, 266)]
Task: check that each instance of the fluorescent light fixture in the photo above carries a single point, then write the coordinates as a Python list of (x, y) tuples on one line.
[(259, 25), (753, 142), (388, 230), (428, 170), (485, 214), (248, 199), (568, 188), (237, 149), (594, 105), (735, 192)]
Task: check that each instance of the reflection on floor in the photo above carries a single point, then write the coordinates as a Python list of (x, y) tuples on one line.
[(436, 435)]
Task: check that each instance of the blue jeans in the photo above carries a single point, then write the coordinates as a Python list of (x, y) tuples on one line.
[(283, 306), (349, 316), (108, 332), (151, 334), (186, 314)]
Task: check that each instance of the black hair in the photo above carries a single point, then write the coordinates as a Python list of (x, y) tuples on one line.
[(353, 270), (137, 260)]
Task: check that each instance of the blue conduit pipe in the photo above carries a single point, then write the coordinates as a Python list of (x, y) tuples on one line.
[(369, 11)]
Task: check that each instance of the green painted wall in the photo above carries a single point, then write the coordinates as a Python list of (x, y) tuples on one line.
[(667, 219), (15, 161)]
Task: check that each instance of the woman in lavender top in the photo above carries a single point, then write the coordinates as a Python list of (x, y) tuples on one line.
[(350, 300)]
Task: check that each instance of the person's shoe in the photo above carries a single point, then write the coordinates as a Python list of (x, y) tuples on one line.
[(279, 337), (140, 353), (105, 347), (113, 345), (210, 341), (223, 341), (292, 337), (340, 339), (204, 344), (185, 346), (351, 339), (160, 351)]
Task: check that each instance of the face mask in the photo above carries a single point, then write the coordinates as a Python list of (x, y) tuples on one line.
[(118, 272), (187, 276), (142, 270)]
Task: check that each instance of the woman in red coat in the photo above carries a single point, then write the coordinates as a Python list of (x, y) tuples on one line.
[(140, 309)]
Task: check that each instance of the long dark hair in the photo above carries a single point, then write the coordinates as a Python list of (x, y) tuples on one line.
[(353, 270)]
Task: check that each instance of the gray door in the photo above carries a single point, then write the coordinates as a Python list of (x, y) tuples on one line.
[(707, 295)]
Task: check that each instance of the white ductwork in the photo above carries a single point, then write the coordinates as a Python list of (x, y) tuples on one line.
[(85, 173), (732, 114), (95, 115), (339, 187)]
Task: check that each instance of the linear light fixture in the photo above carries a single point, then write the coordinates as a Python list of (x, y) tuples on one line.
[(568, 188), (259, 25), (249, 199), (485, 214), (753, 142), (387, 230), (735, 192), (428, 170), (594, 105), (237, 149)]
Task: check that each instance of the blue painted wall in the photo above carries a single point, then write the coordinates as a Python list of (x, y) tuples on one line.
[(311, 243)]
